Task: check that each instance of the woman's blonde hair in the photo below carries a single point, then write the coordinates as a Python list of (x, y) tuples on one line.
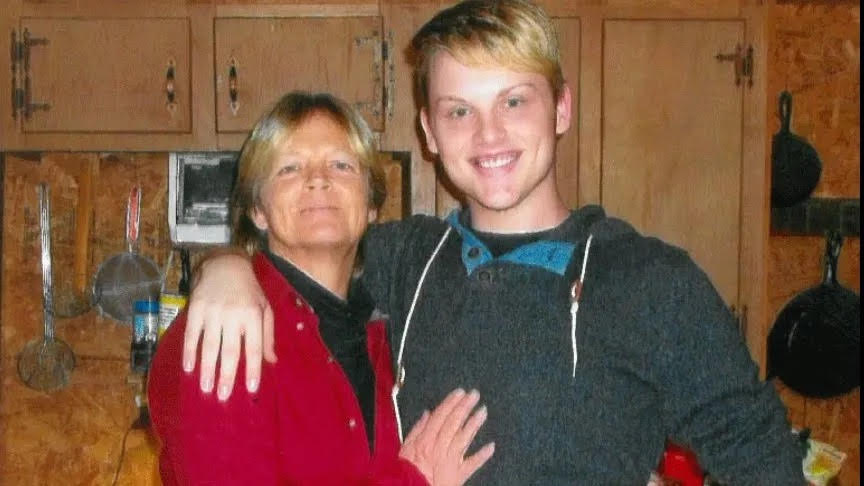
[(514, 34), (271, 130)]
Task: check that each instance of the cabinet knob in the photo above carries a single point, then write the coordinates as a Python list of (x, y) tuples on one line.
[(170, 88), (232, 87)]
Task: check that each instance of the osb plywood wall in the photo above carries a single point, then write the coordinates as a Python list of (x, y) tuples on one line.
[(815, 54), (73, 436)]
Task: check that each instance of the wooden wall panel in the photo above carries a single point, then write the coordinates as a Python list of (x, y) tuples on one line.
[(73, 436), (816, 57), (814, 53)]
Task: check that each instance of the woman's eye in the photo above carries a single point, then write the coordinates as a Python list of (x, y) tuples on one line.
[(342, 165), (288, 168)]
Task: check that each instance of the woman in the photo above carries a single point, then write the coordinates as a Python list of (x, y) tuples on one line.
[(308, 183)]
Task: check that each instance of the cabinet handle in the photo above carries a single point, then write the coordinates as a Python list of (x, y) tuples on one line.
[(14, 56), (376, 105), (29, 106), (232, 87), (742, 60), (390, 86), (170, 93), (23, 95)]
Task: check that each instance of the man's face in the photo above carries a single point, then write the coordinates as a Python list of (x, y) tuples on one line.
[(495, 132)]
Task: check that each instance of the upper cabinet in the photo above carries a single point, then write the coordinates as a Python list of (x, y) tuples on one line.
[(258, 59), (102, 76), (179, 76)]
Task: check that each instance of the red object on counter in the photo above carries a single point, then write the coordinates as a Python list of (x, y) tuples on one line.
[(680, 465)]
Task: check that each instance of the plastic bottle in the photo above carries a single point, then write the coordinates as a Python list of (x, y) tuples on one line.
[(145, 328)]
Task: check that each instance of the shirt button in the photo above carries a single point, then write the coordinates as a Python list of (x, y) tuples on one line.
[(352, 423), (331, 359), (300, 326), (484, 275), (298, 302), (474, 252)]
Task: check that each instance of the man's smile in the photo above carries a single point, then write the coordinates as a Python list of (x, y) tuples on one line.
[(497, 160)]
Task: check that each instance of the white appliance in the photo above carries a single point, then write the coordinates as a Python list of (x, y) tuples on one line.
[(199, 191)]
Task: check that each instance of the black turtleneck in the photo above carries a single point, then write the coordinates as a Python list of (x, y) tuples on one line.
[(342, 325), (503, 243)]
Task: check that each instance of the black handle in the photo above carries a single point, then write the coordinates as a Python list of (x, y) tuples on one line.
[(785, 111), (833, 244), (169, 84), (14, 56), (232, 83), (183, 285)]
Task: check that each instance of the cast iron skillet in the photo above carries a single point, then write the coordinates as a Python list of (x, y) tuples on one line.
[(795, 165), (814, 346)]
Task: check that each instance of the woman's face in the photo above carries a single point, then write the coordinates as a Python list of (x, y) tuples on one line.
[(316, 194)]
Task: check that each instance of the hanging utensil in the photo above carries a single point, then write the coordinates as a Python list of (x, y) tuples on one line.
[(126, 277), (795, 165), (72, 294), (814, 346), (46, 364)]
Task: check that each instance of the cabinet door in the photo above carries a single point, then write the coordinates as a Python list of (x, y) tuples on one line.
[(259, 59), (672, 137), (106, 75)]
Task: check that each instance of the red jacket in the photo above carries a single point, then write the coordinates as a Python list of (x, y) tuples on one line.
[(304, 425)]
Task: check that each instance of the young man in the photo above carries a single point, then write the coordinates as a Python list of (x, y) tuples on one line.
[(591, 344)]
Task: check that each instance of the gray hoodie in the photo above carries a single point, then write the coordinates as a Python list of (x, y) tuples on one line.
[(577, 394)]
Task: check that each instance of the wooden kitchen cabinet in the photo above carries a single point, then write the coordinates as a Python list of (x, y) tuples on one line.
[(681, 101), (104, 75), (100, 75), (672, 140), (154, 76), (102, 83), (259, 59)]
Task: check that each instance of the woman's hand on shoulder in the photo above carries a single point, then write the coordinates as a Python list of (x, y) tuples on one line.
[(438, 442), (228, 306)]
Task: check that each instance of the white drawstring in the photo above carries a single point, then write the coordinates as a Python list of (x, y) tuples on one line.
[(575, 295), (400, 371)]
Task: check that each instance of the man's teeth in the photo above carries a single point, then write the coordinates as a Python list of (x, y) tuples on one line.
[(494, 162)]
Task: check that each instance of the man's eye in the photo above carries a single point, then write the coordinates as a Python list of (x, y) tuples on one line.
[(458, 112), (514, 101)]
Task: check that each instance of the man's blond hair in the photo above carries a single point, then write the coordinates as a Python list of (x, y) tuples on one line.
[(513, 34)]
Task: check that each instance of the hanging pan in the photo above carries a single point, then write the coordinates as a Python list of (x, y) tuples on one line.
[(795, 165), (126, 277), (45, 364), (813, 346)]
